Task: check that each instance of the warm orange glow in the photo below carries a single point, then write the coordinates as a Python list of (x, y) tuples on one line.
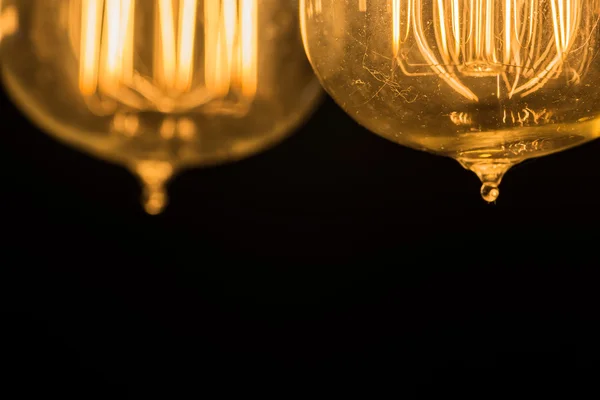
[(249, 47), (9, 20), (108, 45), (490, 83), (396, 25), (187, 43), (488, 38), (165, 39), (90, 46), (158, 86), (112, 46)]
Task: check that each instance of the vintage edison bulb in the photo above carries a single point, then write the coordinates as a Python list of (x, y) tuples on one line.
[(487, 82), (158, 85)]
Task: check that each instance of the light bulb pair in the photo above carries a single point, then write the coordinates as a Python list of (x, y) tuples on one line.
[(158, 85), (488, 82)]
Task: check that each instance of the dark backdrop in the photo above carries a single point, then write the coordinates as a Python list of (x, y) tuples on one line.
[(336, 248)]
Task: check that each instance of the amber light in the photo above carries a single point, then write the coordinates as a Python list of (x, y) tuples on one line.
[(489, 83), (159, 85)]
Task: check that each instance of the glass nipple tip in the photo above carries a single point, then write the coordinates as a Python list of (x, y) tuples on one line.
[(490, 192), (154, 175)]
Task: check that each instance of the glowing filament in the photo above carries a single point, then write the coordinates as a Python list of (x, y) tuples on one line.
[(117, 17), (187, 42), (201, 61), (396, 25), (519, 43), (91, 15), (249, 47), (165, 40)]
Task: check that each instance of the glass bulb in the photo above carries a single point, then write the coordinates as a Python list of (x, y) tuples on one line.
[(158, 85), (488, 82)]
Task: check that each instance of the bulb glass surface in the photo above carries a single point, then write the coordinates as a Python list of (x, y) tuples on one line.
[(158, 85), (487, 82)]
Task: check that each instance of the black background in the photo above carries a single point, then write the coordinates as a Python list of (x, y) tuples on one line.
[(334, 249)]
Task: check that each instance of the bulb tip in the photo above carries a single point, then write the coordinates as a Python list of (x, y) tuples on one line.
[(155, 200), (490, 192), (154, 176)]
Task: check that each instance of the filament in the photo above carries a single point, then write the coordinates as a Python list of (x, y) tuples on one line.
[(191, 62), (521, 43)]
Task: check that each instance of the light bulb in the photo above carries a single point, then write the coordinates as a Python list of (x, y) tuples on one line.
[(159, 85), (488, 82)]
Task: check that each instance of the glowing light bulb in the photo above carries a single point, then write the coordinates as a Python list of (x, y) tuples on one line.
[(158, 85), (487, 82)]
